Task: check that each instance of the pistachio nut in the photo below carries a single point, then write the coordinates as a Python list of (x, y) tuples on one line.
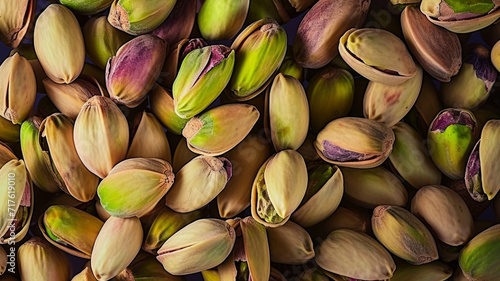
[(290, 244), (256, 248), (450, 139), (146, 267), (219, 20), (259, 50), (6, 154), (17, 89), (201, 245), (403, 234), (101, 135), (37, 160), (330, 94), (315, 47), (435, 270), (355, 255), (456, 224), (59, 44), (87, 7), (220, 129), (162, 106), (246, 158), (472, 177), (473, 83), (116, 245), (162, 224), (478, 259), (372, 187), (198, 182), (9, 132), (203, 75), (38, 260), (459, 16), (279, 187), (476, 207), (148, 138), (129, 76), (410, 157), (3, 260), (85, 275), (134, 186), (325, 188), (179, 23), (314, 274), (16, 192), (28, 51), (495, 55), (288, 128), (388, 104), (102, 40), (69, 98), (290, 67), (438, 50), (350, 217), (364, 143), (487, 153), (139, 17), (15, 19), (182, 155), (261, 9)]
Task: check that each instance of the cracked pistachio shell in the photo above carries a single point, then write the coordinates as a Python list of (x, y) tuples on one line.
[(220, 20), (455, 227), (403, 234), (69, 98), (134, 186), (435, 270), (139, 16), (198, 182), (36, 159), (450, 139), (116, 246), (355, 255), (495, 55), (220, 129), (182, 155), (201, 245), (246, 159), (256, 248), (479, 258), (388, 104), (410, 157), (290, 244), (75, 178), (130, 76), (279, 187), (288, 128), (102, 40), (69, 229), (16, 192), (179, 23), (162, 106), (15, 19), (259, 50), (325, 188), (461, 16), (378, 55), (488, 153), (364, 143), (472, 177), (321, 28), (203, 75), (59, 44), (87, 7), (17, 88), (438, 50), (148, 138), (473, 83), (290, 67), (38, 260), (101, 135), (372, 187)]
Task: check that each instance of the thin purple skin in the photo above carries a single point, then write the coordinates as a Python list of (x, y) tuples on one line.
[(166, 30), (195, 43), (474, 163), (339, 154), (480, 60), (217, 54), (228, 166), (450, 117)]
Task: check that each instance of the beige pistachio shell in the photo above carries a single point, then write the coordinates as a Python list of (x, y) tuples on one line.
[(488, 153), (355, 255), (6, 154), (372, 187), (201, 245), (388, 104), (290, 244), (182, 155), (436, 271), (378, 55), (198, 182), (3, 260), (15, 20), (455, 225), (438, 50), (246, 159), (115, 247), (38, 260), (410, 158), (257, 249), (149, 139)]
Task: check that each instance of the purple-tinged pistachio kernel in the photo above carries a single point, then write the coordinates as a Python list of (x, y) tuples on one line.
[(473, 176), (479, 58), (453, 117), (339, 154)]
